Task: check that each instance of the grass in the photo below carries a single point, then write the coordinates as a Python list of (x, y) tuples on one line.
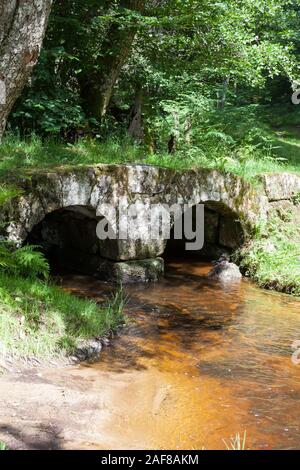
[(40, 320), (33, 153), (2, 446), (272, 258), (277, 149), (237, 442)]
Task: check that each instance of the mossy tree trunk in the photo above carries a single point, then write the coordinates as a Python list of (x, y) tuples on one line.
[(97, 85), (22, 28)]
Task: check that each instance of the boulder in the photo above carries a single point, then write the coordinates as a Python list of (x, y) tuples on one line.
[(89, 349), (225, 271)]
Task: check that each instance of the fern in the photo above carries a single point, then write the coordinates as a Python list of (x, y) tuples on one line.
[(5, 257), (30, 262), (219, 136), (26, 261)]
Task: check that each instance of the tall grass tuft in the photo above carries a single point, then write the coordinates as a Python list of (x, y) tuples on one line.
[(272, 257), (237, 442)]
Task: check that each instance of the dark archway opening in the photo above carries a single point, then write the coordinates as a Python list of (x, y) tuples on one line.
[(68, 239), (223, 233)]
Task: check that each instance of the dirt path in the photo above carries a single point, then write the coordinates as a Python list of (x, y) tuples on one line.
[(78, 408)]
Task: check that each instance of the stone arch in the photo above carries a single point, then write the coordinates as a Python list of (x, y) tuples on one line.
[(222, 231), (67, 236)]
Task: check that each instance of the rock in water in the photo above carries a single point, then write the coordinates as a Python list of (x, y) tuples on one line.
[(225, 271)]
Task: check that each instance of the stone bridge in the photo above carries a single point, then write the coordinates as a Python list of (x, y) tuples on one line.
[(60, 210)]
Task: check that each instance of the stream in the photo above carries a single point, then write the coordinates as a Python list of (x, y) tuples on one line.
[(197, 363)]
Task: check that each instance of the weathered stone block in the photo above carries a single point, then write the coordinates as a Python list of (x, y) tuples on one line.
[(282, 209), (126, 250), (148, 270), (281, 186)]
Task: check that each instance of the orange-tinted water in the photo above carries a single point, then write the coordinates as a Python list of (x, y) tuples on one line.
[(199, 362)]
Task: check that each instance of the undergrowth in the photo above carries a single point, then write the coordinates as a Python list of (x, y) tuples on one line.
[(272, 257), (38, 319), (245, 151)]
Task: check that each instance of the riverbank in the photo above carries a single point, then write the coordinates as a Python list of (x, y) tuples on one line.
[(272, 257), (39, 322)]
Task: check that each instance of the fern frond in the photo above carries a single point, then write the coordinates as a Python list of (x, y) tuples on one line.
[(26, 261), (30, 262)]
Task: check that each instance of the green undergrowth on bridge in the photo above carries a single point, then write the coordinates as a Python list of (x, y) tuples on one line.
[(277, 149), (272, 257), (39, 319)]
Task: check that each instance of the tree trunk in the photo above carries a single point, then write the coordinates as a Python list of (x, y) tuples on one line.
[(97, 86), (136, 128), (22, 28), (174, 138), (223, 94)]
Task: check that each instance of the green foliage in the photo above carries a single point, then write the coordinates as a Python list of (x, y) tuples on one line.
[(296, 199), (2, 446), (49, 105), (260, 150), (41, 320), (7, 192), (186, 55), (34, 153), (26, 261), (115, 309), (48, 115), (272, 258)]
